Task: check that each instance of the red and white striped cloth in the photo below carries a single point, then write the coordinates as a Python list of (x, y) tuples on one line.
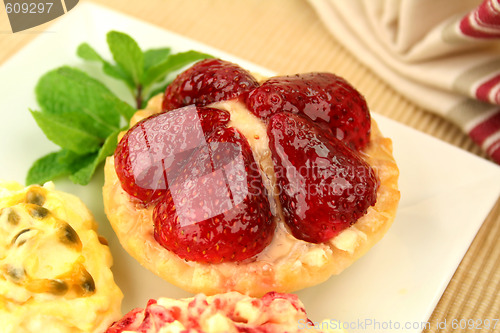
[(444, 55)]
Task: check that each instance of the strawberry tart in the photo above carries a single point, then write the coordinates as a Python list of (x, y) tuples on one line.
[(229, 183)]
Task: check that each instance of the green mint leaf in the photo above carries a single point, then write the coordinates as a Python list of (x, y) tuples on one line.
[(109, 146), (78, 166), (47, 168), (65, 133), (69, 90), (76, 161), (127, 54), (153, 57), (174, 62), (118, 73), (86, 52), (84, 174)]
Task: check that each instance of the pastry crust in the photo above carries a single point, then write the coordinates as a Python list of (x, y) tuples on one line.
[(286, 265)]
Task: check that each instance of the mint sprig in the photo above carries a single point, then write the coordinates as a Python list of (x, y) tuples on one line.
[(84, 118), (142, 71)]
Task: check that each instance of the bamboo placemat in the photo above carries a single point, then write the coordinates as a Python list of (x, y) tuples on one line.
[(286, 36)]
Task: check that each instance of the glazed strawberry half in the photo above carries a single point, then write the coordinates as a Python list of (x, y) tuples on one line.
[(325, 98), (210, 204), (217, 210), (153, 151), (325, 187), (206, 82)]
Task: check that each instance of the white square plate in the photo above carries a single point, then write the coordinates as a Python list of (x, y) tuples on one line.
[(446, 192)]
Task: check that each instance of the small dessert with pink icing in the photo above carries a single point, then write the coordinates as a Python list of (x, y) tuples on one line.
[(224, 313)]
